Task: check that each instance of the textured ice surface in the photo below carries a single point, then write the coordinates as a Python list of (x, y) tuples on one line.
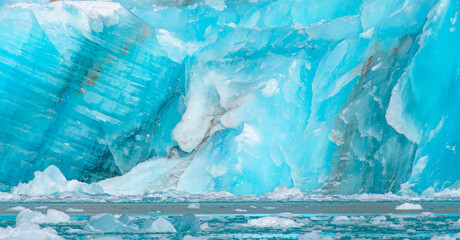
[(336, 96)]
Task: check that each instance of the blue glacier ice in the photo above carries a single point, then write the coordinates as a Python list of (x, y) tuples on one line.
[(337, 97)]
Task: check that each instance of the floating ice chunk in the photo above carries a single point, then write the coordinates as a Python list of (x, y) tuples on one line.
[(340, 220), (427, 215), (187, 223), (107, 222), (26, 230), (270, 208), (74, 210), (378, 220), (205, 227), (282, 192), (193, 206), (190, 237), (161, 225), (288, 215), (52, 216), (273, 222), (41, 207), (16, 209), (409, 206), (446, 237), (240, 210), (52, 182), (457, 223), (315, 235)]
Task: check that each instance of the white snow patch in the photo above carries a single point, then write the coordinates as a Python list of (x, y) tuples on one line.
[(271, 88), (376, 66), (368, 33), (248, 135)]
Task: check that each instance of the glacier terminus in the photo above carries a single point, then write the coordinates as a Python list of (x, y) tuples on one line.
[(330, 97)]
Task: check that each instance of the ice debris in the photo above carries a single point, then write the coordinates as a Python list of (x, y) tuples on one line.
[(16, 209), (107, 222), (409, 206), (74, 210), (26, 230), (160, 225), (52, 216), (193, 206), (27, 225), (186, 223), (52, 182), (273, 222), (315, 235)]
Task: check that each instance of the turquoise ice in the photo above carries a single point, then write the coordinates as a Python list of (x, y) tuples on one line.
[(332, 96)]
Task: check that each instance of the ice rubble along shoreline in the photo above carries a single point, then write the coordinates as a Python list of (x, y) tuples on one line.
[(51, 185)]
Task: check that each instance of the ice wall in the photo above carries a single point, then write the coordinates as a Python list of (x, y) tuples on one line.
[(332, 96), (83, 87)]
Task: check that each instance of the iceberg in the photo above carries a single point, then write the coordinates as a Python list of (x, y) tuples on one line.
[(52, 216), (107, 222), (128, 97), (28, 230), (186, 223), (52, 182), (273, 222), (409, 206), (27, 225), (160, 225)]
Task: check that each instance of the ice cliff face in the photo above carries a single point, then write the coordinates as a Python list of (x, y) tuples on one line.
[(333, 96)]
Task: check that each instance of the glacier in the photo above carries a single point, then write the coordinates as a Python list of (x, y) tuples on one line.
[(333, 97)]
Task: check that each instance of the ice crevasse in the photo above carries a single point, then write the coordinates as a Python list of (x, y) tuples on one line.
[(332, 96)]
